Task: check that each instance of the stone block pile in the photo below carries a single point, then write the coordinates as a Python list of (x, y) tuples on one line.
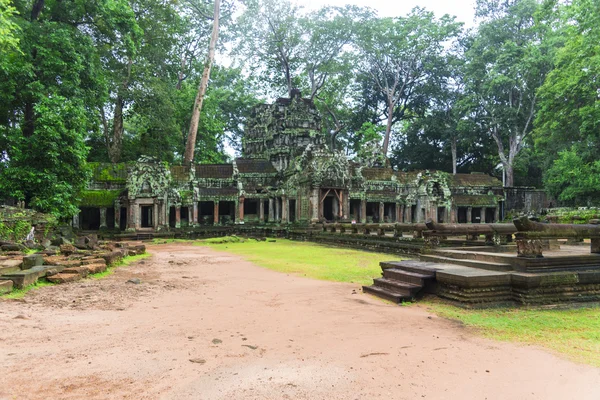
[(62, 262)]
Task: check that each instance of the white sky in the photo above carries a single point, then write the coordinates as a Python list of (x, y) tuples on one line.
[(462, 9)]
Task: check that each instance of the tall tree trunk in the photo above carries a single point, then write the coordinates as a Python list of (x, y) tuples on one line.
[(188, 156), (510, 175), (453, 148), (29, 112), (115, 144), (388, 129)]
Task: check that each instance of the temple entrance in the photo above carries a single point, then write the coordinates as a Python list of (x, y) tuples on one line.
[(441, 214), (292, 210), (331, 204), (185, 216), (476, 215), (206, 212), (123, 218), (490, 215), (172, 217), (461, 215), (110, 218), (355, 210), (226, 212), (147, 219), (89, 218), (389, 212), (372, 212)]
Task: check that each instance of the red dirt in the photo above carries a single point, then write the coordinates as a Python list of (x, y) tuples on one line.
[(252, 333)]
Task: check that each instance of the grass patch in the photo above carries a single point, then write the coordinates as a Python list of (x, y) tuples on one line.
[(168, 241), (307, 259), (20, 293), (572, 332), (123, 263)]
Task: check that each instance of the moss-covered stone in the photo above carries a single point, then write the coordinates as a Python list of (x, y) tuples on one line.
[(99, 198)]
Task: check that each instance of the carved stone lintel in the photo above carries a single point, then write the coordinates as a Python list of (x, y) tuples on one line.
[(529, 248)]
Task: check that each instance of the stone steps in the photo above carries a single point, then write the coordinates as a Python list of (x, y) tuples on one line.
[(489, 265), (402, 280)]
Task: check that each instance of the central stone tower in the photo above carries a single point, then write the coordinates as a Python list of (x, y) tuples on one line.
[(281, 131)]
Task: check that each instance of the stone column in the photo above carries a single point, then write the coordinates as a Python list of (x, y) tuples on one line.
[(277, 209), (76, 221), (271, 210), (346, 209), (131, 216), (381, 212), (261, 210), (314, 205), (398, 213), (363, 211), (103, 218), (469, 214), (285, 206), (178, 217), (137, 218), (195, 220), (216, 213), (497, 214), (117, 217), (241, 209), (155, 216), (482, 215)]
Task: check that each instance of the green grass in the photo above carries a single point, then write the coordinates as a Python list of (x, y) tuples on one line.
[(168, 241), (307, 259), (20, 293), (123, 263), (572, 332)]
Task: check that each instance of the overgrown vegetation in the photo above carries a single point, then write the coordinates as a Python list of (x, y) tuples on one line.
[(306, 259), (572, 332)]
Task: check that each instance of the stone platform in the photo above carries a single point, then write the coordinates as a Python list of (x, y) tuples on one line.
[(489, 276)]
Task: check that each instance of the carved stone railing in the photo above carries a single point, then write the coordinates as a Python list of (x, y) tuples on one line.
[(531, 234), (494, 233), (379, 229)]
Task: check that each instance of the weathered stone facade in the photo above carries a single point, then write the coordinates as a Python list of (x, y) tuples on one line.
[(287, 174)]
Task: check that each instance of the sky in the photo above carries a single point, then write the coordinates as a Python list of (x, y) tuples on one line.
[(462, 9)]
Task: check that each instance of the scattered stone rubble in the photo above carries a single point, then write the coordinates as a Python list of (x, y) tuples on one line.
[(60, 261)]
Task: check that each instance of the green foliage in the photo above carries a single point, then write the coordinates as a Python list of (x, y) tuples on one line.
[(574, 332), (9, 29), (573, 181), (308, 259)]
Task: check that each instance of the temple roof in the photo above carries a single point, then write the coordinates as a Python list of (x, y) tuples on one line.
[(254, 166), (214, 171), (463, 180)]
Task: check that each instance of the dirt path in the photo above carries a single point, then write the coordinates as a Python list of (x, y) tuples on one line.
[(252, 333)]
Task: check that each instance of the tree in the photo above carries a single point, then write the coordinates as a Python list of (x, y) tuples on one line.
[(49, 93), (188, 156), (8, 28), (506, 64), (400, 56)]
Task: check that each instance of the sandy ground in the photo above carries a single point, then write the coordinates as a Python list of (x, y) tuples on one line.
[(207, 325)]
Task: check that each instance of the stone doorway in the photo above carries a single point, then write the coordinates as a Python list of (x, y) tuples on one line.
[(147, 213), (331, 204), (90, 218), (206, 212), (123, 218)]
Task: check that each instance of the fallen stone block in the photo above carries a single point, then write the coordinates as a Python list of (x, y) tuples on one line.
[(83, 271), (26, 277), (6, 287), (32, 260), (137, 249), (87, 261), (10, 266), (13, 247), (96, 268), (113, 257), (64, 278), (67, 249)]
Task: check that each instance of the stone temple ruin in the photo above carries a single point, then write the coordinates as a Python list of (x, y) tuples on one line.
[(286, 175)]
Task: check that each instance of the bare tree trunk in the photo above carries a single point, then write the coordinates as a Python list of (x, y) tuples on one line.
[(188, 156), (388, 129), (453, 148), (510, 175), (116, 141)]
